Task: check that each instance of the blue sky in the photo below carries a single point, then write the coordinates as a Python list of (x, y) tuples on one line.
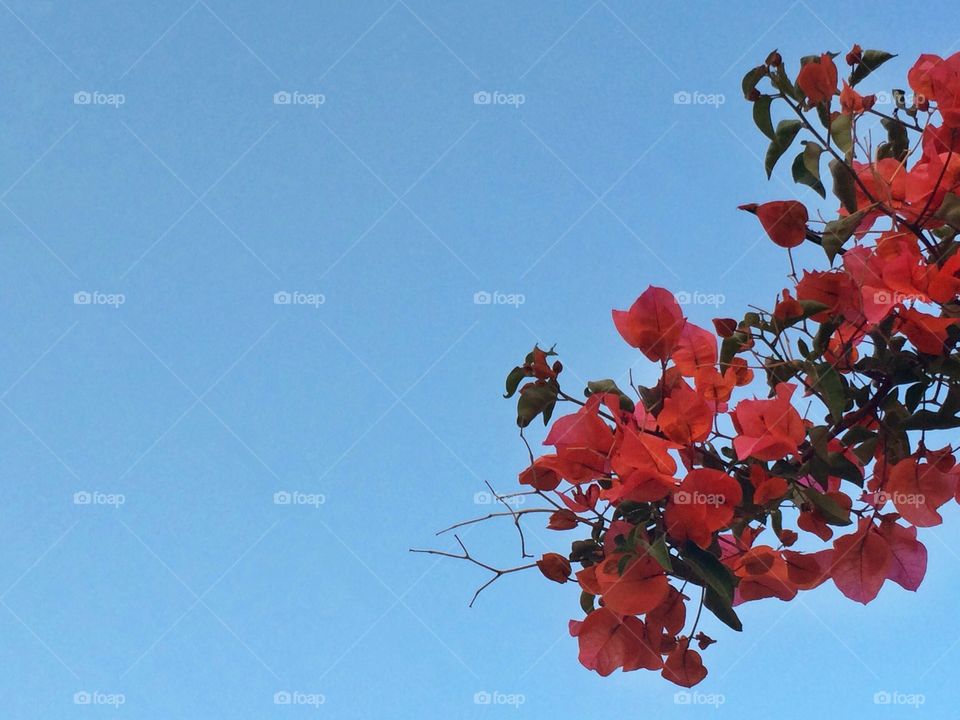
[(157, 195)]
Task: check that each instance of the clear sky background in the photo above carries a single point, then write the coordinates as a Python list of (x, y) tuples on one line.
[(397, 199)]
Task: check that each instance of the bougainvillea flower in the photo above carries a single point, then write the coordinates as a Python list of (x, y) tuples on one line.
[(652, 324), (697, 348), (817, 79), (785, 221), (702, 504), (908, 556), (554, 567), (926, 332), (861, 562), (768, 429), (763, 573), (684, 666), (917, 489), (853, 102), (608, 641), (686, 417), (638, 589)]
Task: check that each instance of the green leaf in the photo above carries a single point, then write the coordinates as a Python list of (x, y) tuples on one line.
[(837, 232), (806, 168), (750, 80), (842, 467), (865, 450), (841, 132), (609, 386), (722, 609), (914, 395), (949, 211), (586, 602), (831, 386), (708, 568), (928, 420), (844, 185), (514, 379), (761, 115), (782, 139), (535, 399), (832, 513), (869, 61), (658, 551), (782, 83)]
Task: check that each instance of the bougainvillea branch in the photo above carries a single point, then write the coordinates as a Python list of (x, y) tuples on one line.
[(682, 492)]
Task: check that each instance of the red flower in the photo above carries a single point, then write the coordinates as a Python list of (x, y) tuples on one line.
[(652, 324), (818, 79), (785, 221), (554, 567), (768, 429)]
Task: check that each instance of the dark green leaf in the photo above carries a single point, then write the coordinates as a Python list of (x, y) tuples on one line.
[(840, 132), (709, 569), (869, 61), (832, 513), (514, 379), (761, 115), (806, 168), (722, 609), (782, 139), (750, 80), (534, 400), (844, 185)]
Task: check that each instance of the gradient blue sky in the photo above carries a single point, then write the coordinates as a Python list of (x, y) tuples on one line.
[(396, 199)]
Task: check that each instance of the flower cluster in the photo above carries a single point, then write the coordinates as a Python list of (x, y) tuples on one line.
[(686, 495)]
